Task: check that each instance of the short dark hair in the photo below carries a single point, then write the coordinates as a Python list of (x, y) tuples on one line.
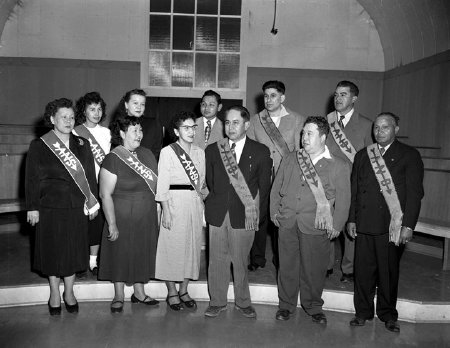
[(211, 93), (177, 120), (278, 85), (121, 111), (391, 114), (121, 124), (52, 108), (321, 123), (353, 88), (86, 100), (242, 110)]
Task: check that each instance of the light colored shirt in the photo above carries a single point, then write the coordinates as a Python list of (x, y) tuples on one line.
[(325, 154), (347, 117), (239, 147), (277, 119), (205, 124)]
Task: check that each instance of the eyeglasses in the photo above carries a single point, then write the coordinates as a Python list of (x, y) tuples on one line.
[(186, 128)]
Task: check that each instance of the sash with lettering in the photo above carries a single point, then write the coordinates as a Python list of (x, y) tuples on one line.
[(388, 190), (324, 219), (189, 167), (97, 151), (240, 185), (137, 166), (340, 138), (273, 133), (74, 167)]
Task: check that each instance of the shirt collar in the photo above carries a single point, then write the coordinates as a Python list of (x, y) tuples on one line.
[(325, 154), (239, 143), (347, 116), (206, 120)]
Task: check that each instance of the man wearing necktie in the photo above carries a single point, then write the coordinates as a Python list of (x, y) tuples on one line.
[(357, 130), (230, 235), (381, 186), (210, 127)]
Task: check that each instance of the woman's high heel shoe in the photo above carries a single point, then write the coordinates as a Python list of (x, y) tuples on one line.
[(53, 310), (174, 306), (70, 308)]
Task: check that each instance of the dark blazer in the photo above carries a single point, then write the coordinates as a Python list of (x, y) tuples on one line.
[(293, 201), (368, 206), (358, 130), (49, 184), (217, 132), (255, 164)]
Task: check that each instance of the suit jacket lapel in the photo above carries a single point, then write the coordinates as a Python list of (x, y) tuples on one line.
[(200, 130), (352, 125)]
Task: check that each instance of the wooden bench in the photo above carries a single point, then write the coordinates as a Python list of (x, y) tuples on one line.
[(438, 230)]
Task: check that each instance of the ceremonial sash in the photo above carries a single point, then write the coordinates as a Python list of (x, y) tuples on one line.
[(74, 167), (388, 190), (97, 150), (137, 166), (323, 210), (341, 140), (189, 167), (274, 133), (240, 185)]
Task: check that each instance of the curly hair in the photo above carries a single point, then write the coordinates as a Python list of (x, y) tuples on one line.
[(82, 104), (121, 124), (177, 120), (52, 108)]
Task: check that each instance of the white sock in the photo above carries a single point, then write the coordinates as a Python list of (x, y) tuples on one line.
[(92, 261)]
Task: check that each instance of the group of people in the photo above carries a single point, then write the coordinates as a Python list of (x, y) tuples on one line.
[(305, 180)]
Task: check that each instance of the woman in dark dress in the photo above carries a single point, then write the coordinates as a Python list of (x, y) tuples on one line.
[(60, 192), (127, 185)]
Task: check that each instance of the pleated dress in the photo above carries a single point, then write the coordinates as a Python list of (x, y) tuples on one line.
[(131, 257)]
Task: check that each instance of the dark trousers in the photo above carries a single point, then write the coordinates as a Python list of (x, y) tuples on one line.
[(258, 251), (376, 269), (303, 267)]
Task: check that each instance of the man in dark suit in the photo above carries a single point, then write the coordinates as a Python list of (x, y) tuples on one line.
[(300, 201), (357, 131), (237, 170), (210, 127), (283, 138), (387, 177)]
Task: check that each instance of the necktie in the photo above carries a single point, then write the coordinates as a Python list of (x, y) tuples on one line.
[(207, 130), (233, 150), (382, 150), (341, 121)]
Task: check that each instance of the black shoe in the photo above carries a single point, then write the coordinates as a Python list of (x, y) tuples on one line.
[(282, 314), (254, 266), (347, 278), (118, 309), (319, 318), (189, 303), (70, 308), (175, 306), (53, 310), (151, 302), (94, 271), (329, 272), (356, 321), (392, 325)]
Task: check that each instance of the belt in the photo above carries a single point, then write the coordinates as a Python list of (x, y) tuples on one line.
[(181, 187)]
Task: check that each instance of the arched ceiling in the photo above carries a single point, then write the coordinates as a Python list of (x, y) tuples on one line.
[(410, 29)]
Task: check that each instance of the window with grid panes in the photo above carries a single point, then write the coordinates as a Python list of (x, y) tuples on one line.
[(194, 43)]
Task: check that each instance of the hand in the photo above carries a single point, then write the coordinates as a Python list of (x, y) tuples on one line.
[(93, 215), (351, 229), (332, 233), (275, 220), (113, 232), (406, 235), (33, 217), (167, 219)]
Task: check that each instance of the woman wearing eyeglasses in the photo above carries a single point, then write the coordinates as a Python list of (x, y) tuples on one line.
[(181, 179)]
